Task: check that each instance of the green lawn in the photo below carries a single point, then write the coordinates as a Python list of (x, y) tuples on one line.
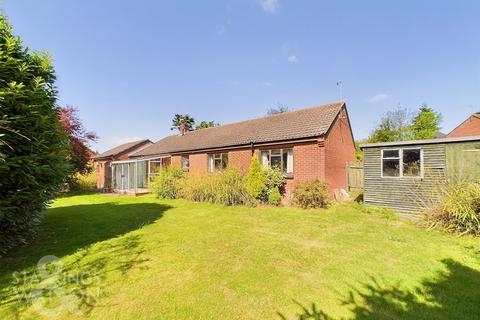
[(141, 258)]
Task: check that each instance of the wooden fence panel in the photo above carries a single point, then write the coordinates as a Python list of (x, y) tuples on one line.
[(355, 176)]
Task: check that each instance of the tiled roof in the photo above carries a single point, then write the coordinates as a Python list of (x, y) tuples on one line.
[(304, 123), (121, 148)]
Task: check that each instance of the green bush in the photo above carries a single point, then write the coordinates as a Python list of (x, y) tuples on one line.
[(85, 182), (274, 197), (459, 209), (167, 184), (311, 194), (33, 148), (256, 179), (227, 187), (274, 178)]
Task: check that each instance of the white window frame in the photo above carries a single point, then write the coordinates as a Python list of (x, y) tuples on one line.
[(211, 157), (400, 159), (185, 168), (269, 152)]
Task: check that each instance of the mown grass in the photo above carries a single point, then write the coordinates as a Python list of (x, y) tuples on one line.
[(141, 258)]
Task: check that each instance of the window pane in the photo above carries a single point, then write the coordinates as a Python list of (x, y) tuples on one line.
[(276, 152), (185, 163), (264, 158), (210, 163), (411, 163), (276, 161), (289, 161), (391, 167), (390, 153), (224, 160)]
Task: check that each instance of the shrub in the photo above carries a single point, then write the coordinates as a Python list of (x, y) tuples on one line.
[(227, 187), (256, 179), (167, 184), (33, 148), (459, 209), (274, 178), (311, 194), (85, 182), (274, 197)]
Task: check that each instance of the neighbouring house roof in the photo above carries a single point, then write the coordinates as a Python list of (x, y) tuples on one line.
[(303, 123), (417, 142), (121, 149), (440, 135)]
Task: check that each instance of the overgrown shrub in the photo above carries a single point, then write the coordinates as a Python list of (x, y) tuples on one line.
[(256, 179), (274, 178), (459, 209), (85, 182), (33, 148), (227, 187), (167, 184), (274, 197), (311, 194)]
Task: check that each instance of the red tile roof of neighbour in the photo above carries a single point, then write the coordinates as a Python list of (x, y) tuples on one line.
[(120, 149), (304, 123)]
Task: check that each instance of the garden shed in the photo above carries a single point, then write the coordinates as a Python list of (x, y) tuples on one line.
[(408, 176)]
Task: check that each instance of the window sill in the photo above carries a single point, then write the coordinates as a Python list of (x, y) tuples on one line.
[(288, 175)]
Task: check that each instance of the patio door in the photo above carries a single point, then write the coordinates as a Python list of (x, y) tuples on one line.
[(121, 176)]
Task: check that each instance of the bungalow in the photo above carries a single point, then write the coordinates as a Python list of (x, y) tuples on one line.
[(102, 162), (306, 144), (409, 175)]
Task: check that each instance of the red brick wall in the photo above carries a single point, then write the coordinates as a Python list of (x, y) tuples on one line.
[(104, 174), (198, 163), (240, 159), (470, 127), (339, 149), (176, 161)]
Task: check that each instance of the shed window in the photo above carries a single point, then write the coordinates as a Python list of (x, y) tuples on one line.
[(217, 161), (279, 158), (185, 163), (402, 162)]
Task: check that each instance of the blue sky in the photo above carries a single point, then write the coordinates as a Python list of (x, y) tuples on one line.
[(130, 65)]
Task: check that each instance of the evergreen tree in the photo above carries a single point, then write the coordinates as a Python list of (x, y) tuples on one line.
[(256, 178), (426, 123)]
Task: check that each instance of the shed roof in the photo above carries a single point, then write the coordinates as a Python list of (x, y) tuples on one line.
[(303, 123), (120, 149), (419, 142)]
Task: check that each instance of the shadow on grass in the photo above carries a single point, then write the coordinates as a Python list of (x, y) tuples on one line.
[(452, 294), (95, 240)]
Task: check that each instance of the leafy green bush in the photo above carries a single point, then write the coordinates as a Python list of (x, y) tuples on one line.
[(274, 178), (33, 148), (274, 197), (85, 182), (167, 184), (227, 187), (459, 209), (256, 179), (311, 194)]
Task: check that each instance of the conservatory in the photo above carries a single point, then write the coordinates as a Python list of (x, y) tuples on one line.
[(134, 176)]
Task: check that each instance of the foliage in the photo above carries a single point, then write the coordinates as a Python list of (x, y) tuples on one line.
[(459, 209), (399, 125), (206, 124), (33, 151), (426, 123), (78, 139), (189, 122), (311, 194), (226, 187), (256, 180), (167, 184), (358, 151), (85, 182), (394, 126), (274, 197), (274, 178), (280, 108)]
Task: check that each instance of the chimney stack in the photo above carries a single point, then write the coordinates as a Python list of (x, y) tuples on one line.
[(183, 127)]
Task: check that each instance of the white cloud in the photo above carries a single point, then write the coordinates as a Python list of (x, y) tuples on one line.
[(269, 6), (378, 98), (267, 84), (293, 59)]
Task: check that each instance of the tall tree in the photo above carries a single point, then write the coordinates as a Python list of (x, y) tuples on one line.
[(206, 124), (394, 126), (78, 139), (426, 123), (34, 148), (189, 122), (280, 108)]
